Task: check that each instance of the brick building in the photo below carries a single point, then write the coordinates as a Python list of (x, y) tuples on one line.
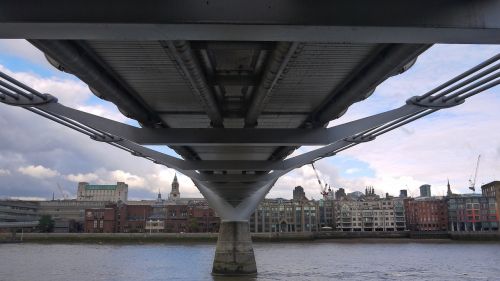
[(492, 189), (101, 220), (473, 212), (68, 215), (117, 218), (132, 218), (177, 218), (202, 218), (426, 214)]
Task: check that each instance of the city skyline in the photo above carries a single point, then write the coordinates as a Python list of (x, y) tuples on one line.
[(37, 155)]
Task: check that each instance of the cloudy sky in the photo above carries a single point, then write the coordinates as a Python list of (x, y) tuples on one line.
[(37, 155)]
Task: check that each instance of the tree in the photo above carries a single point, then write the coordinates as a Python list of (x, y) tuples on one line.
[(46, 223), (193, 225)]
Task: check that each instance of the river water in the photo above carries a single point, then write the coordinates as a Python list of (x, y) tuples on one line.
[(324, 260)]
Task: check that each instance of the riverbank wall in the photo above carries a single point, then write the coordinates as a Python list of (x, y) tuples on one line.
[(256, 237)]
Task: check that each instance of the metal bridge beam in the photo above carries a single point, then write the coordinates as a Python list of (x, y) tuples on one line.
[(86, 66), (394, 21), (385, 63), (222, 137), (77, 61), (273, 71), (190, 66)]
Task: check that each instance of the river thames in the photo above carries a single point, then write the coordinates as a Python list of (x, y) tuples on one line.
[(324, 260)]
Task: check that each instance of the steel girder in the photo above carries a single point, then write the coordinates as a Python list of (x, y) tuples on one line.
[(229, 136), (103, 80), (273, 71), (87, 66), (426, 21), (387, 60), (190, 66)]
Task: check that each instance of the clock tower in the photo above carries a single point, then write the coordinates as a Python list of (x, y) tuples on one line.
[(174, 194)]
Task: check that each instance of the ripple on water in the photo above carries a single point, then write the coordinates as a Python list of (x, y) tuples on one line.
[(276, 261)]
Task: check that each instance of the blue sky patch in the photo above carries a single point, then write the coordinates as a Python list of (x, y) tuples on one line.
[(350, 167)]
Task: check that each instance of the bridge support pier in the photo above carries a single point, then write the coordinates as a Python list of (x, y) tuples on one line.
[(234, 202), (234, 252)]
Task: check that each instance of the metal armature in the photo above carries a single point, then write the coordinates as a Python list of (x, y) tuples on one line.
[(338, 138)]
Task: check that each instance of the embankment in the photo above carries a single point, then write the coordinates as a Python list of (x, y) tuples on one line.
[(256, 237)]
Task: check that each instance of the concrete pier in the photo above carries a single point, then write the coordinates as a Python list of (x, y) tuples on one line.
[(234, 252)]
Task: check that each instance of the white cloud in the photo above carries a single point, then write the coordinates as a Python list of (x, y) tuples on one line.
[(38, 172), (351, 171), (23, 49), (160, 178), (130, 179), (89, 177), (69, 92), (4, 172), (104, 111), (24, 198)]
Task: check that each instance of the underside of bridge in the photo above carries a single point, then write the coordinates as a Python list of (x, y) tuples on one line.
[(234, 93)]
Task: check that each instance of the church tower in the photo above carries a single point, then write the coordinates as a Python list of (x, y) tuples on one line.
[(449, 193), (174, 194)]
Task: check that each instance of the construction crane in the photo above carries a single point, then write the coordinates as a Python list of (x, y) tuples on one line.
[(64, 194), (325, 190), (472, 183)]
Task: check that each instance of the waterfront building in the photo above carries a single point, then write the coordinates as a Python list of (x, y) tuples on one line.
[(133, 218), (177, 218), (173, 215), (426, 214), (154, 226), (473, 212), (179, 214), (370, 214), (117, 217), (156, 221), (492, 189), (68, 215), (425, 190), (327, 212), (283, 215), (202, 218), (105, 193), (19, 211), (101, 220)]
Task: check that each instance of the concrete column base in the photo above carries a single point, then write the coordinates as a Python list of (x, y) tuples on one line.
[(234, 253)]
